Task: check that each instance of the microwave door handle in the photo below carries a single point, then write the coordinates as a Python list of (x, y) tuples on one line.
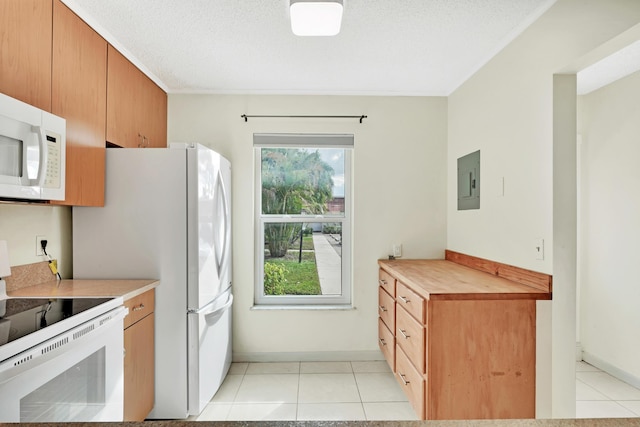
[(43, 152)]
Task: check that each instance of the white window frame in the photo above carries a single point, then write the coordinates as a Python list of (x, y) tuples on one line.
[(304, 141)]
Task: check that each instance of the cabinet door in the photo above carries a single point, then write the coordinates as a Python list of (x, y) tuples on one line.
[(79, 93), (136, 106), (155, 120), (124, 96), (25, 51), (139, 369)]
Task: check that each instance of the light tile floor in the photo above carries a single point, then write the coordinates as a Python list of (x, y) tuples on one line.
[(291, 391), (368, 391), (600, 395)]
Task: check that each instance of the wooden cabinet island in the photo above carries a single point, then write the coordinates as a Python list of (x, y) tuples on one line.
[(460, 337)]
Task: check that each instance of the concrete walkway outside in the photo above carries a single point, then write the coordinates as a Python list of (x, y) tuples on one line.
[(329, 265)]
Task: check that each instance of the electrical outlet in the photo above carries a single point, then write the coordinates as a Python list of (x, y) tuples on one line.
[(39, 250), (397, 250)]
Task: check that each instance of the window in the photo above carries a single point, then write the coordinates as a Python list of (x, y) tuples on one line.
[(303, 219)]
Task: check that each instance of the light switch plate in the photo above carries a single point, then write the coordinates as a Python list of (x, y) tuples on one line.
[(538, 246)]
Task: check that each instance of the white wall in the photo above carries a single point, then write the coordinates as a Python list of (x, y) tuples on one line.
[(506, 111), (399, 196), (610, 292), (21, 223)]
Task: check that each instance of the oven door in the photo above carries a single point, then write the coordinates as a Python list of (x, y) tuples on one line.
[(73, 377)]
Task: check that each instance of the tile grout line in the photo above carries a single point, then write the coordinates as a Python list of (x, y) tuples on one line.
[(594, 389), (355, 378), (235, 395)]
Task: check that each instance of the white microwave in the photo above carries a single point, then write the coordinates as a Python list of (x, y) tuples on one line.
[(32, 152)]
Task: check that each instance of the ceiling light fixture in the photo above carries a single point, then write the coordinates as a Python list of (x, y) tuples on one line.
[(316, 17)]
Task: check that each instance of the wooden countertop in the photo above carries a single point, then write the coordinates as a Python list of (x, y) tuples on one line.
[(86, 288), (437, 279)]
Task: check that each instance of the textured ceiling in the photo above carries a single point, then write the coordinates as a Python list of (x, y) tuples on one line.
[(385, 47)]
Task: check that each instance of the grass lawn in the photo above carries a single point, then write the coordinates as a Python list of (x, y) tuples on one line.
[(307, 244), (301, 278)]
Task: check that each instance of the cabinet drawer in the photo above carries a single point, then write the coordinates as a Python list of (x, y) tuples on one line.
[(387, 282), (410, 336), (139, 307), (411, 302), (387, 308), (387, 344), (411, 381)]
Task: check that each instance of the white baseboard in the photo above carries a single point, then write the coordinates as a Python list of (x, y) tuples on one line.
[(610, 369), (309, 356)]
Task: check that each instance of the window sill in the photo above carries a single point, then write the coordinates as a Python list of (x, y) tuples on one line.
[(310, 307)]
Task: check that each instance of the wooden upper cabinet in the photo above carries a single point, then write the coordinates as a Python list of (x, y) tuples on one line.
[(25, 51), (79, 94), (123, 93), (136, 106), (52, 59), (157, 116)]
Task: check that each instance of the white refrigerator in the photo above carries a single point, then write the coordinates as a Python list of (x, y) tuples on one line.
[(167, 216)]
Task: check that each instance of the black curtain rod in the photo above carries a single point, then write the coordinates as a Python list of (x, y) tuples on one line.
[(361, 117)]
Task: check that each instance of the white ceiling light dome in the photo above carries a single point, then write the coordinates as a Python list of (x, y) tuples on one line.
[(316, 17)]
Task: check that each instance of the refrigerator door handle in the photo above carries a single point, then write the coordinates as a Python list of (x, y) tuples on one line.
[(222, 196), (211, 316)]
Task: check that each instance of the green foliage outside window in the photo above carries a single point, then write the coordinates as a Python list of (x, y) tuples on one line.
[(294, 181), (274, 279)]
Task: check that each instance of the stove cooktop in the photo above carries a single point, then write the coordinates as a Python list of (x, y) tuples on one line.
[(23, 316)]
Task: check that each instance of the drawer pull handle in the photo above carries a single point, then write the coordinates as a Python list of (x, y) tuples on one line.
[(405, 300), (382, 308), (382, 282), (382, 342), (138, 307), (404, 334), (405, 382)]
